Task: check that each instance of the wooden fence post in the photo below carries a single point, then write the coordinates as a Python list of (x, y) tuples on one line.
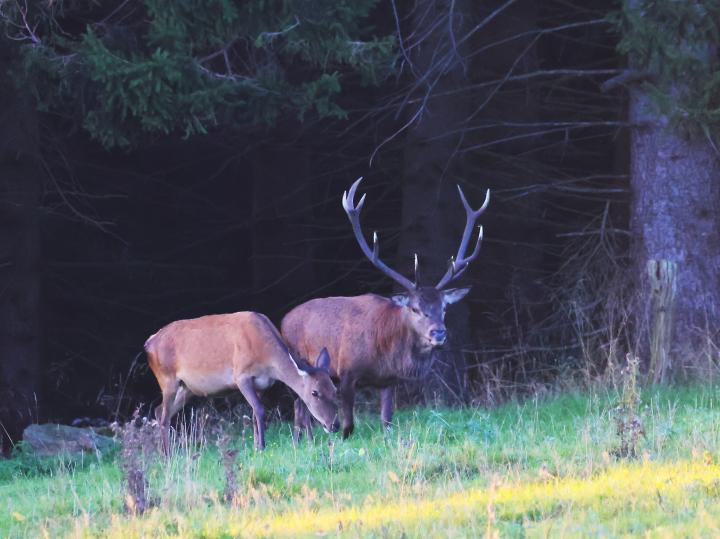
[(662, 275)]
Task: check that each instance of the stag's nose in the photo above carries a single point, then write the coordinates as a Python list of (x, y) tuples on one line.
[(438, 336)]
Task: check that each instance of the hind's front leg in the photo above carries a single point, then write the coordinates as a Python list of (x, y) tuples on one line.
[(247, 388)]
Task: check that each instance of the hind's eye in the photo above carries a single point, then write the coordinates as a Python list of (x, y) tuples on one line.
[(315, 393), (415, 310)]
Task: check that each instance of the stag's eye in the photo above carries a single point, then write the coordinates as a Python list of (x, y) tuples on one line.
[(315, 394), (415, 310)]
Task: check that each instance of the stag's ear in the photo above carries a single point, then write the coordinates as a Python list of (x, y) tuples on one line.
[(401, 300), (323, 360), (455, 294)]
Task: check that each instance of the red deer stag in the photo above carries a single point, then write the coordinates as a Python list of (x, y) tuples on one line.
[(372, 340), (214, 354)]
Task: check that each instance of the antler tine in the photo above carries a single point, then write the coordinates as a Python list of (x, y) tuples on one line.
[(471, 216), (459, 269), (460, 262), (417, 271), (348, 198), (353, 213), (468, 208)]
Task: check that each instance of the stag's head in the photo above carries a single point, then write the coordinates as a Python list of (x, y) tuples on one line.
[(318, 391), (424, 309), (424, 306)]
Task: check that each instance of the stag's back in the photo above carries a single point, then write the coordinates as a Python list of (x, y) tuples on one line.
[(362, 333)]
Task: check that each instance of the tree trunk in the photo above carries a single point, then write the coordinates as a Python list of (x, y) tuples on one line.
[(432, 215), (21, 182), (675, 181)]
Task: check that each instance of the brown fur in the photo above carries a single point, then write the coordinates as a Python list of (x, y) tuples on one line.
[(366, 336), (370, 340), (392, 336), (390, 341), (212, 354)]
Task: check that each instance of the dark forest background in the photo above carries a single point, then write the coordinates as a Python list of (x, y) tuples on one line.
[(168, 160)]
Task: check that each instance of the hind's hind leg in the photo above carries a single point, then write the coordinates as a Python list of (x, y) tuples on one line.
[(182, 396), (169, 394)]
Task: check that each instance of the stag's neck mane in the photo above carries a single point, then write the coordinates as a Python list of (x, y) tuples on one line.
[(396, 342)]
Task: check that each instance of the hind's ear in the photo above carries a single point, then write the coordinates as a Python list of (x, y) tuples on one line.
[(302, 367), (323, 360)]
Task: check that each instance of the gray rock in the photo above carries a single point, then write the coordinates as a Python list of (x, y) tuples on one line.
[(53, 439)]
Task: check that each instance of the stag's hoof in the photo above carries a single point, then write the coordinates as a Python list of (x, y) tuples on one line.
[(347, 431)]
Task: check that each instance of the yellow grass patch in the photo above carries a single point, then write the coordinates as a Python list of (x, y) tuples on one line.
[(621, 484)]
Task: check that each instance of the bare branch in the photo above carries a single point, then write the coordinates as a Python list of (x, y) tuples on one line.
[(626, 77), (25, 32), (272, 35)]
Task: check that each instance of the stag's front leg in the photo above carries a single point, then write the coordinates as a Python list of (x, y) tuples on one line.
[(386, 406), (297, 420), (247, 388), (347, 402), (302, 422)]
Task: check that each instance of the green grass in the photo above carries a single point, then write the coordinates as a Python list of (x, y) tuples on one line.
[(532, 469)]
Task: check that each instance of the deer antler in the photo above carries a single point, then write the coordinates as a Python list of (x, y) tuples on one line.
[(353, 213), (459, 263)]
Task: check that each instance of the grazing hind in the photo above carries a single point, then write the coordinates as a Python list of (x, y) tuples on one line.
[(217, 353)]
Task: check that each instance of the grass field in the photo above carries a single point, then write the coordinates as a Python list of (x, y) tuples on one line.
[(534, 469)]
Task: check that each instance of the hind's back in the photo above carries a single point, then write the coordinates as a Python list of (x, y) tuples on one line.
[(205, 352)]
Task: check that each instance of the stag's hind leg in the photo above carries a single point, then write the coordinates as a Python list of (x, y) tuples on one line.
[(347, 402), (386, 406)]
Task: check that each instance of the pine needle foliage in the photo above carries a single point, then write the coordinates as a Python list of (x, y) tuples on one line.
[(675, 44), (127, 71)]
